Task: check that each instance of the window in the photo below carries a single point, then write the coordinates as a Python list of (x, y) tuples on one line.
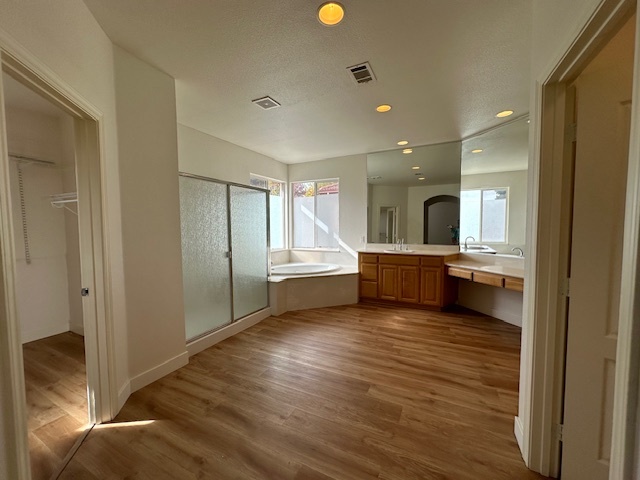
[(483, 214), (277, 208), (315, 213)]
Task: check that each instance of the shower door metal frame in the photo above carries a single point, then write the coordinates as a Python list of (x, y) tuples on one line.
[(230, 245)]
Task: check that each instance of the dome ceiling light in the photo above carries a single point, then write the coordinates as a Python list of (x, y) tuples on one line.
[(407, 150), (330, 13), (403, 142), (383, 108)]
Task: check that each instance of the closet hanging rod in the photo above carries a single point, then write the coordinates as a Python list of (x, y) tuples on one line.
[(30, 160), (61, 198)]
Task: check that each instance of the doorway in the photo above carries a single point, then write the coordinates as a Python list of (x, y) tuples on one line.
[(441, 220), (35, 234), (388, 224), (40, 142), (603, 91)]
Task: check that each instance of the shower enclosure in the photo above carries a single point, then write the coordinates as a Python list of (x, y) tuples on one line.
[(225, 252)]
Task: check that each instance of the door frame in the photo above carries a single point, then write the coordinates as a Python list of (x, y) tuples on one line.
[(98, 324), (537, 426)]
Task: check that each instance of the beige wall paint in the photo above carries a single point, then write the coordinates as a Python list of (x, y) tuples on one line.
[(148, 152), (517, 183), (417, 197), (352, 172), (202, 154)]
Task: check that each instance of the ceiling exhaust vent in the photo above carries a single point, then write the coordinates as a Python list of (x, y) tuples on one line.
[(362, 73), (266, 102)]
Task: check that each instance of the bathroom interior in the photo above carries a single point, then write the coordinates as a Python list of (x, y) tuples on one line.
[(254, 266)]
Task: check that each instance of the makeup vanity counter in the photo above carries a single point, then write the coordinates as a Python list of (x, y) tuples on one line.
[(504, 271)]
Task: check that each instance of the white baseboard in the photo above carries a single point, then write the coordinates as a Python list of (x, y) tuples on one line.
[(518, 430), (123, 396), (159, 371), (27, 336), (205, 342)]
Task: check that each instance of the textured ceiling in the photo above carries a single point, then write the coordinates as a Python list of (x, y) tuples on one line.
[(446, 67), (504, 149)]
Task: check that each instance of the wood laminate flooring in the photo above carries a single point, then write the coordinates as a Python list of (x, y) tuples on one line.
[(345, 393), (56, 390)]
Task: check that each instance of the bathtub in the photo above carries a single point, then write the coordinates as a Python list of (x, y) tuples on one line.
[(303, 268)]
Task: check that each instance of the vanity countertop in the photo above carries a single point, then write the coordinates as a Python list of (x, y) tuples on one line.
[(507, 265), (430, 250)]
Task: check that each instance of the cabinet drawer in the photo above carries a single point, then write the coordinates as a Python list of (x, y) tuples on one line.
[(512, 283), (369, 272), (368, 258), (431, 261), (368, 289), (397, 259), (488, 279), (460, 273)]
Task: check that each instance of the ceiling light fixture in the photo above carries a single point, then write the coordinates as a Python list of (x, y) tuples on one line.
[(421, 178), (415, 168), (504, 113), (330, 13), (477, 150), (403, 142), (407, 150), (383, 108)]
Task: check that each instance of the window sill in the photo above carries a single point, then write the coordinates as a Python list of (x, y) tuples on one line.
[(300, 249)]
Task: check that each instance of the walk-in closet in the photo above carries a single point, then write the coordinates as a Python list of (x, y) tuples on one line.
[(40, 140)]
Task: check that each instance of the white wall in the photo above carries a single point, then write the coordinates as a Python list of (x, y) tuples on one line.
[(352, 173), (202, 154), (385, 196), (42, 287), (148, 151), (517, 222), (500, 303), (416, 198)]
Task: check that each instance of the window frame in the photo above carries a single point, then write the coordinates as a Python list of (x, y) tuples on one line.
[(315, 248), (506, 213), (285, 210)]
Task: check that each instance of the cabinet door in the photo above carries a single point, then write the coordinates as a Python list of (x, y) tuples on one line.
[(388, 282), (408, 284), (431, 286)]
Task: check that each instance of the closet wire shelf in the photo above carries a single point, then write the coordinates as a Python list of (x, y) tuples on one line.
[(62, 200)]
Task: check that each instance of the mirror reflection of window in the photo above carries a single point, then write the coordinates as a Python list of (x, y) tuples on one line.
[(483, 214)]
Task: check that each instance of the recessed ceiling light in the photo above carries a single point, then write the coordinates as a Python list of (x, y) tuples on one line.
[(477, 150), (330, 13), (504, 113), (421, 178), (403, 142), (407, 150), (383, 108), (415, 168)]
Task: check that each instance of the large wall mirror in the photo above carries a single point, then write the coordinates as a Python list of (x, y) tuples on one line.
[(414, 196), (493, 195), (443, 194)]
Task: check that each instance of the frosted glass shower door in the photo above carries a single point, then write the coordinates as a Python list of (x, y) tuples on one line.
[(205, 259), (250, 247)]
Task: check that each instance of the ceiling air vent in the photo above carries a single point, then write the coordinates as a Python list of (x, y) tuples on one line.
[(362, 73), (266, 102)]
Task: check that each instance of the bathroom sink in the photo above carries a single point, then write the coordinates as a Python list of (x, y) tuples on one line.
[(476, 247), (398, 251)]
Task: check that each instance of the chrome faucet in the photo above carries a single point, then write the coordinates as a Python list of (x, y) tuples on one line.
[(520, 251), (466, 247)]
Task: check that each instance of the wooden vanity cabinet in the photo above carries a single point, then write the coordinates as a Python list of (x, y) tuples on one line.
[(406, 279)]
